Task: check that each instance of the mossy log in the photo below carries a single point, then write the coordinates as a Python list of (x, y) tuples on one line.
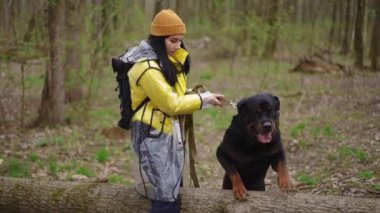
[(27, 195)]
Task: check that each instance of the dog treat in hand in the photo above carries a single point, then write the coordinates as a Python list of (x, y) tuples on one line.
[(227, 102)]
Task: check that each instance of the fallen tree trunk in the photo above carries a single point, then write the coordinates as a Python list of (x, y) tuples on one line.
[(318, 63), (26, 195)]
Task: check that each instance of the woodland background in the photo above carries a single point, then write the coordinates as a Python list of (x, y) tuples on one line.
[(58, 107)]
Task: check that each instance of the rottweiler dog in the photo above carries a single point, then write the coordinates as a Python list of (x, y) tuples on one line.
[(251, 144)]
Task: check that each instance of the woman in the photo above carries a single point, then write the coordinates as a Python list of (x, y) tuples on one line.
[(158, 87)]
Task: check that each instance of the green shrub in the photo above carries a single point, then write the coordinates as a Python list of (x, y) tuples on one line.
[(34, 157), (307, 179), (86, 172), (17, 169), (367, 174), (297, 129), (347, 151), (102, 155)]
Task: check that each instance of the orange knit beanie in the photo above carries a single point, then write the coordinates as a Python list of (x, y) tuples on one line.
[(167, 23)]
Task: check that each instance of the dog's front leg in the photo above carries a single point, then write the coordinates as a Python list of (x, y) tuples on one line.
[(227, 162), (283, 178), (238, 188)]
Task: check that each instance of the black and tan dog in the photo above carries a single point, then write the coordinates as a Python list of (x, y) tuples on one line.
[(251, 144)]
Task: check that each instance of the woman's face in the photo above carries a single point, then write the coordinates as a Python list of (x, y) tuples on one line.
[(173, 43)]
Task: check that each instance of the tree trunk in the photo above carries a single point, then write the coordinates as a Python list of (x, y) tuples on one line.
[(158, 6), (53, 94), (375, 43), (8, 26), (97, 34), (270, 46), (358, 40), (333, 29), (73, 62), (26, 195), (347, 29)]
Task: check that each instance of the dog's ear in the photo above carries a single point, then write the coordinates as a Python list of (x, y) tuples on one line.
[(276, 103), (241, 104)]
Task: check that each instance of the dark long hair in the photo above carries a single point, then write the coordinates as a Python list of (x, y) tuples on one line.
[(168, 69)]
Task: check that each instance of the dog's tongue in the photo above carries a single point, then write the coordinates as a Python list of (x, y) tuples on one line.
[(264, 138)]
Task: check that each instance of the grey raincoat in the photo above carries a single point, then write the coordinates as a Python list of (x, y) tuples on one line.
[(156, 133)]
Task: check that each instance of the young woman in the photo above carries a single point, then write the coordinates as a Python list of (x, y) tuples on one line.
[(158, 92)]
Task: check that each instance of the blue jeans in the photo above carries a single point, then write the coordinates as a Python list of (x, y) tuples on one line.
[(166, 206)]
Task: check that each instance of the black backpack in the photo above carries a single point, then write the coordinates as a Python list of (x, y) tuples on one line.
[(121, 68)]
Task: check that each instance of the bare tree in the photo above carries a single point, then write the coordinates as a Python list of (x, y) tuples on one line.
[(270, 46), (73, 61), (158, 6), (375, 41), (347, 29), (358, 39), (8, 11), (333, 29), (53, 94)]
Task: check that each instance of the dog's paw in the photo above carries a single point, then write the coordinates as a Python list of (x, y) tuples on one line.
[(285, 183), (240, 192)]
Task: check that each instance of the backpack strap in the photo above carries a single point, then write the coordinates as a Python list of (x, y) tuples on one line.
[(146, 100), (149, 67)]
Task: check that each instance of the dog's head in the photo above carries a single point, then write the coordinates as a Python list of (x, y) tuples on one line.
[(260, 116)]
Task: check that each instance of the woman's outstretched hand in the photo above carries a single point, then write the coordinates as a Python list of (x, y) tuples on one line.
[(216, 99), (209, 98)]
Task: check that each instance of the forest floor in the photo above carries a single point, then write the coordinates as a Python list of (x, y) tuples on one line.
[(330, 126)]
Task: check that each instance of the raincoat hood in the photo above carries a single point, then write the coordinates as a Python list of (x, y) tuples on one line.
[(135, 54)]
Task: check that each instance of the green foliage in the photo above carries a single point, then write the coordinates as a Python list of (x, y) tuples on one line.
[(303, 37), (303, 144), (85, 171), (221, 119), (377, 186), (203, 169), (34, 157), (304, 129), (298, 129), (206, 77), (307, 179), (358, 154), (120, 180), (102, 155), (17, 168), (34, 80), (367, 175), (54, 140), (328, 131), (72, 165), (258, 34), (102, 116), (53, 167)]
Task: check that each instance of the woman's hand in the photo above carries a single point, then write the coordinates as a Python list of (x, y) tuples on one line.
[(216, 99), (209, 98)]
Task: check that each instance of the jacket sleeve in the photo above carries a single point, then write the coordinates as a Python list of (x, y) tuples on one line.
[(162, 95)]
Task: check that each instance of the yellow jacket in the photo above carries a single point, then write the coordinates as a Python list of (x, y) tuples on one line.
[(166, 102)]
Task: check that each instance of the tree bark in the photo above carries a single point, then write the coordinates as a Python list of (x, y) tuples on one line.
[(53, 93), (158, 6), (270, 46), (73, 63), (375, 43), (333, 29), (347, 29), (358, 40), (27, 195)]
